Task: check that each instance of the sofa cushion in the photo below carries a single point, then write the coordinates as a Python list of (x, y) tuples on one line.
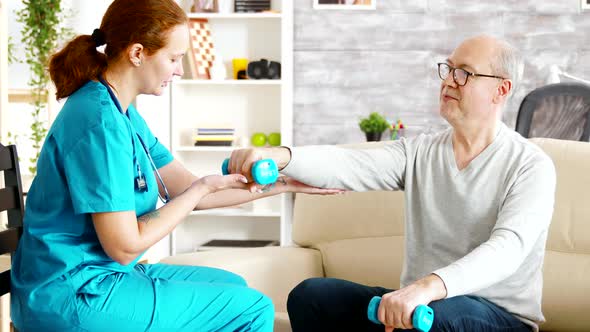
[(374, 261), (570, 226), (566, 292), (319, 219)]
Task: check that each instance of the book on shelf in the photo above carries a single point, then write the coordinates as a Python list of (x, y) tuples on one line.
[(217, 244), (213, 143), (213, 136)]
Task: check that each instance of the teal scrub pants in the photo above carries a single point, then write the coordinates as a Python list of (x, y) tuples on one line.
[(164, 297)]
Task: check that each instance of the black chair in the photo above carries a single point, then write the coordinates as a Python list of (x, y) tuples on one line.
[(560, 111), (11, 201)]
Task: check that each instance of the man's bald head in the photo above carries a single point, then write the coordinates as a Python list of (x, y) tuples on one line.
[(503, 59)]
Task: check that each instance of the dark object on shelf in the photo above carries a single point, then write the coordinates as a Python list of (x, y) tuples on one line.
[(228, 244), (264, 69), (213, 143), (242, 75), (249, 6), (560, 111)]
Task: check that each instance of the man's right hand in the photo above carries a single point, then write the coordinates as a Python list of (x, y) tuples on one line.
[(241, 160)]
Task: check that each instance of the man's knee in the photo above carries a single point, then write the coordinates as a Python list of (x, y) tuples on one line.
[(445, 316), (303, 292)]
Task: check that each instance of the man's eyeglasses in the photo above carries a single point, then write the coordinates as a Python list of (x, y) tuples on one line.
[(460, 75)]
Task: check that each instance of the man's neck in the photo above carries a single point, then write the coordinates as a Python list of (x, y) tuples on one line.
[(469, 142), (122, 85)]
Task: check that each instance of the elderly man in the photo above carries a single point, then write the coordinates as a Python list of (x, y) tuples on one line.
[(479, 201)]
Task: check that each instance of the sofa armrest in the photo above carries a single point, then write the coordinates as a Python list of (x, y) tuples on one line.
[(274, 271)]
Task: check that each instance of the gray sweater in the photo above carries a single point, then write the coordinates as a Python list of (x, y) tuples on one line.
[(481, 229)]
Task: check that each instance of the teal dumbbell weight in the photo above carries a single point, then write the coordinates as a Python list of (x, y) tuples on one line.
[(264, 171), (421, 319)]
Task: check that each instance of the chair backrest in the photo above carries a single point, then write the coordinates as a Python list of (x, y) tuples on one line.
[(560, 111), (11, 201)]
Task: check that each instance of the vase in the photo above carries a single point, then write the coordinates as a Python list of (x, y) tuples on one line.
[(374, 137)]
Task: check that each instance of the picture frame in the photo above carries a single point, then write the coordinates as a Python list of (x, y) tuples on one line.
[(201, 52), (585, 5), (346, 4)]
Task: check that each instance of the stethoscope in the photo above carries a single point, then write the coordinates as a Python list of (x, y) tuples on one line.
[(140, 181)]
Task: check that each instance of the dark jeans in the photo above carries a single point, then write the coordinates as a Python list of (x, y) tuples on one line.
[(326, 304)]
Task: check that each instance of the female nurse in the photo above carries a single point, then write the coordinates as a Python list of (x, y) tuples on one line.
[(90, 212)]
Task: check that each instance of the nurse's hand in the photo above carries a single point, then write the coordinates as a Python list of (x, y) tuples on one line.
[(214, 183)]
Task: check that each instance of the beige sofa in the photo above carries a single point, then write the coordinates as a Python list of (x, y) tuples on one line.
[(359, 237)]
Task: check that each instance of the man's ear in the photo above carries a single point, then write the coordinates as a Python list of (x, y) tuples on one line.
[(135, 54), (503, 91)]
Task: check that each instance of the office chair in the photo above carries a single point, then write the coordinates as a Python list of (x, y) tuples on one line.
[(560, 111), (11, 201)]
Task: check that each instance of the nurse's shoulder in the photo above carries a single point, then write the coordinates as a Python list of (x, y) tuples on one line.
[(87, 109)]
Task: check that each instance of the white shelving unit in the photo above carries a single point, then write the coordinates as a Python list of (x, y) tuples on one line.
[(3, 69), (248, 106)]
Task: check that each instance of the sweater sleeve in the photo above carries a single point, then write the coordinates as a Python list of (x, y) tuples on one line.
[(380, 168), (524, 216)]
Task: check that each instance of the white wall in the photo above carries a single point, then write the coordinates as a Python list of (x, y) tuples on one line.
[(3, 67)]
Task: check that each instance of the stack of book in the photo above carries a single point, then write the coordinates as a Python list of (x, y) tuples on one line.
[(214, 136)]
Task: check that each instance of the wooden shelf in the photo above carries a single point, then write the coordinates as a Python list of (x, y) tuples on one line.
[(228, 82), (205, 148), (24, 96), (234, 16), (236, 212)]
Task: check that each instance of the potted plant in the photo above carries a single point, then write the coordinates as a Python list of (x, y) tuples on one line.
[(41, 32), (373, 126)]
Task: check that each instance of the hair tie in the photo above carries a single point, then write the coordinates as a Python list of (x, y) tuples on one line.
[(98, 37)]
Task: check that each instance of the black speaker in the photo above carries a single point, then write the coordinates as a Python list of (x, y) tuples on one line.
[(274, 70), (258, 69), (264, 69)]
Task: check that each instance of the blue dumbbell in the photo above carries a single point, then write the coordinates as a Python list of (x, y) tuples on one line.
[(421, 319), (264, 171)]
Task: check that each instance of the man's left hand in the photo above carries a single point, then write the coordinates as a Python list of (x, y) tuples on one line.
[(397, 307)]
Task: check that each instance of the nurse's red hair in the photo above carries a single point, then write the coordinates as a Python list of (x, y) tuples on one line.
[(125, 23)]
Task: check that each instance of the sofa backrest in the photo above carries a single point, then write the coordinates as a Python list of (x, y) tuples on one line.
[(566, 271), (361, 236)]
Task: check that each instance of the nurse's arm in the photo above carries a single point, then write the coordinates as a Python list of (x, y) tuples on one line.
[(177, 178), (124, 236)]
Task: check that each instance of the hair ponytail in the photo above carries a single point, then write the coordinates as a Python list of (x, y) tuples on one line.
[(77, 63)]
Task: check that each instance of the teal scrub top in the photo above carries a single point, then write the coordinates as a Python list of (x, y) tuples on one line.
[(88, 164)]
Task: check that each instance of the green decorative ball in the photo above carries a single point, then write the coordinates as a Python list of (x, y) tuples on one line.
[(274, 139), (258, 139)]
